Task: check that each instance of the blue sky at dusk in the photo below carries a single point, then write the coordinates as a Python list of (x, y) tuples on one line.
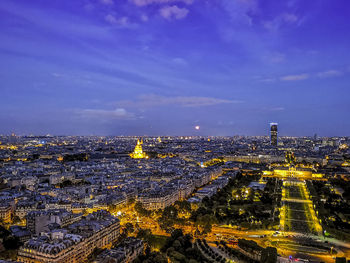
[(161, 67)]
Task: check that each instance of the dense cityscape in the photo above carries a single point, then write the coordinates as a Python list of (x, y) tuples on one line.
[(174, 131), (174, 199)]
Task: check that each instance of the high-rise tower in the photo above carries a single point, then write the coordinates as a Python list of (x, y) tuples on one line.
[(273, 133)]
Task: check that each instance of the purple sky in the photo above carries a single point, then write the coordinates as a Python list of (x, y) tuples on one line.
[(161, 67)]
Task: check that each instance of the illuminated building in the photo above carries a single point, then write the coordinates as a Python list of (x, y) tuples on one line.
[(39, 221), (138, 152), (186, 188), (23, 208), (273, 134), (127, 252), (6, 211), (154, 200), (74, 243), (296, 172)]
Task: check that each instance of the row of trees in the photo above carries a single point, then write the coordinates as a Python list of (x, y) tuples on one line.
[(10, 243), (151, 257), (210, 254), (331, 206), (76, 157), (234, 254), (169, 217), (178, 248), (234, 204)]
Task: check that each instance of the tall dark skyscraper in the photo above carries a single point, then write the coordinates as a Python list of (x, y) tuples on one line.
[(273, 133)]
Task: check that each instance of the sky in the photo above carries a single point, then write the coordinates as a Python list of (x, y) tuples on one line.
[(163, 67)]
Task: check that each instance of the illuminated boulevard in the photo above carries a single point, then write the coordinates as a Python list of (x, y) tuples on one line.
[(300, 230), (288, 243)]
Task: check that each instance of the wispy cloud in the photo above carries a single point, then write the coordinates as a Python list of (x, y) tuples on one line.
[(289, 18), (180, 61), (107, 2), (268, 80), (329, 73), (274, 57), (121, 21), (119, 113), (148, 101), (323, 74), (282, 20), (240, 11), (144, 18), (173, 12), (57, 75), (295, 77), (277, 109), (149, 2)]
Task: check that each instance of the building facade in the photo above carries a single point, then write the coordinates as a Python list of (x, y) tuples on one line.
[(73, 244), (273, 134)]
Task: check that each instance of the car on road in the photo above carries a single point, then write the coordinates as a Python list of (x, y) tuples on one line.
[(302, 260)]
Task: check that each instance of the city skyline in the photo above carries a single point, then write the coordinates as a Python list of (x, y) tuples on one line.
[(163, 67), (114, 199)]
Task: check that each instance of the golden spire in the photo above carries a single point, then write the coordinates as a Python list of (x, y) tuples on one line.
[(138, 152)]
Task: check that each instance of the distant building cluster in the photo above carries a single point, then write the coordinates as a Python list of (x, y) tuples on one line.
[(56, 191)]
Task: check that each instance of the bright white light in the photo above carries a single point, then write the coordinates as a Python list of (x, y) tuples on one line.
[(197, 127)]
